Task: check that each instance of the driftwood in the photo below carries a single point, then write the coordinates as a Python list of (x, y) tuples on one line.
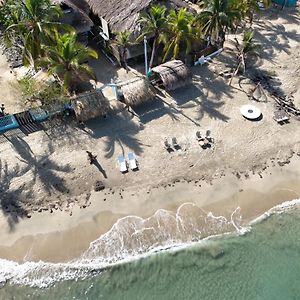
[(282, 100)]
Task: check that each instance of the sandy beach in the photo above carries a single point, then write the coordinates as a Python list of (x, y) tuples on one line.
[(50, 212), (59, 237)]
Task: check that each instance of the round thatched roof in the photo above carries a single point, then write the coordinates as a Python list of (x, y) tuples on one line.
[(173, 74), (137, 90), (89, 105)]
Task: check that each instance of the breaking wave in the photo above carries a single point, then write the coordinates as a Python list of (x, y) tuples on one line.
[(133, 237)]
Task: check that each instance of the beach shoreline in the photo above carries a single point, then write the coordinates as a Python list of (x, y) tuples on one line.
[(59, 237)]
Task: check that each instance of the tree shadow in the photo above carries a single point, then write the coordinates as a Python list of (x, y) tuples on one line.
[(211, 108), (275, 37), (42, 167), (62, 130), (10, 201), (154, 110), (117, 129)]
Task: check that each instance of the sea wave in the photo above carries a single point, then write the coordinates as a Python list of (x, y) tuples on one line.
[(133, 237)]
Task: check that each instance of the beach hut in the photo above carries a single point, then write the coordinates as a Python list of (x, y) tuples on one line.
[(170, 75), (89, 105), (76, 14), (136, 91)]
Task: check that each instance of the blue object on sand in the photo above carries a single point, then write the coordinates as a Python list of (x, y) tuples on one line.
[(8, 122), (284, 3), (131, 156)]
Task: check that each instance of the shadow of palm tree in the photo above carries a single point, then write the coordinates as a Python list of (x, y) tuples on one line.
[(42, 167), (121, 130), (211, 108), (10, 201)]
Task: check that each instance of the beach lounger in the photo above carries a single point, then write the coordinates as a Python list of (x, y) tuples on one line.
[(122, 163), (132, 161), (198, 135), (208, 136), (168, 146), (175, 144)]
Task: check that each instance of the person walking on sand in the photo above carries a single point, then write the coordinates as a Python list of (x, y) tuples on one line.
[(2, 113), (92, 158)]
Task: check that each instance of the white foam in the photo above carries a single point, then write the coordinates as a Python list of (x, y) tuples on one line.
[(133, 237)]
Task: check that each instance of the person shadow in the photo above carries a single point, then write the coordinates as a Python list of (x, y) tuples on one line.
[(99, 167)]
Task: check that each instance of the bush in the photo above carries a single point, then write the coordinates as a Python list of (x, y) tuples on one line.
[(42, 94)]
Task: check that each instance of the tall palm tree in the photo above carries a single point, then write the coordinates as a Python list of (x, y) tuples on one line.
[(122, 41), (66, 59), (249, 7), (217, 17), (153, 25), (33, 20), (180, 32), (244, 49)]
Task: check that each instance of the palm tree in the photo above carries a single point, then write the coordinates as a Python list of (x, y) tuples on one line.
[(153, 25), (122, 41), (217, 17), (246, 48), (249, 7), (33, 20), (66, 59), (180, 31)]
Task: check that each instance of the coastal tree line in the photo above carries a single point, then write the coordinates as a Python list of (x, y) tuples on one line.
[(49, 44)]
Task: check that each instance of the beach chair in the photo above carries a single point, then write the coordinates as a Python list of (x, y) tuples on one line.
[(132, 161), (175, 144), (122, 164), (168, 146), (198, 135), (208, 136)]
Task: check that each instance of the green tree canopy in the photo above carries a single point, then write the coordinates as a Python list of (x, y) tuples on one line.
[(66, 59)]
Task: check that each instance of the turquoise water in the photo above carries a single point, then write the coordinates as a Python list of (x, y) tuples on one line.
[(262, 264)]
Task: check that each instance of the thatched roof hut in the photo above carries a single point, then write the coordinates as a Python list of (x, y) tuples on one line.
[(171, 75), (89, 105), (136, 91), (79, 15), (123, 15)]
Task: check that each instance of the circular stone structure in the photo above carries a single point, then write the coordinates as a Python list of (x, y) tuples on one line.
[(250, 112)]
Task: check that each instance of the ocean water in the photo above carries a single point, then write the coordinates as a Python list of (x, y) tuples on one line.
[(261, 263)]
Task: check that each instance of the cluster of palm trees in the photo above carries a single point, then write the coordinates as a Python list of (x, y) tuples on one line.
[(177, 32), (45, 41)]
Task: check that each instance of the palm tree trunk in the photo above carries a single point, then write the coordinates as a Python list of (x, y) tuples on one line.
[(153, 52)]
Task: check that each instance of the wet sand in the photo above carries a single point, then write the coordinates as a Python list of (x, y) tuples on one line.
[(60, 237)]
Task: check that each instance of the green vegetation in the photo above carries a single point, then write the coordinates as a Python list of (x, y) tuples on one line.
[(154, 23), (38, 93), (30, 21), (65, 59), (122, 41), (180, 32), (46, 43)]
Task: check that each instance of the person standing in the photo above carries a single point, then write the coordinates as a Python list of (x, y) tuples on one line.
[(2, 113)]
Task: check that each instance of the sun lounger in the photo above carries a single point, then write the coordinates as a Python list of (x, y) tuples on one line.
[(122, 163), (168, 146), (198, 135), (132, 161), (208, 136), (175, 144)]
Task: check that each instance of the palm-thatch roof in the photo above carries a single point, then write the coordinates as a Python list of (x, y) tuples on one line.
[(123, 14), (137, 91), (172, 74), (89, 105), (79, 18)]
